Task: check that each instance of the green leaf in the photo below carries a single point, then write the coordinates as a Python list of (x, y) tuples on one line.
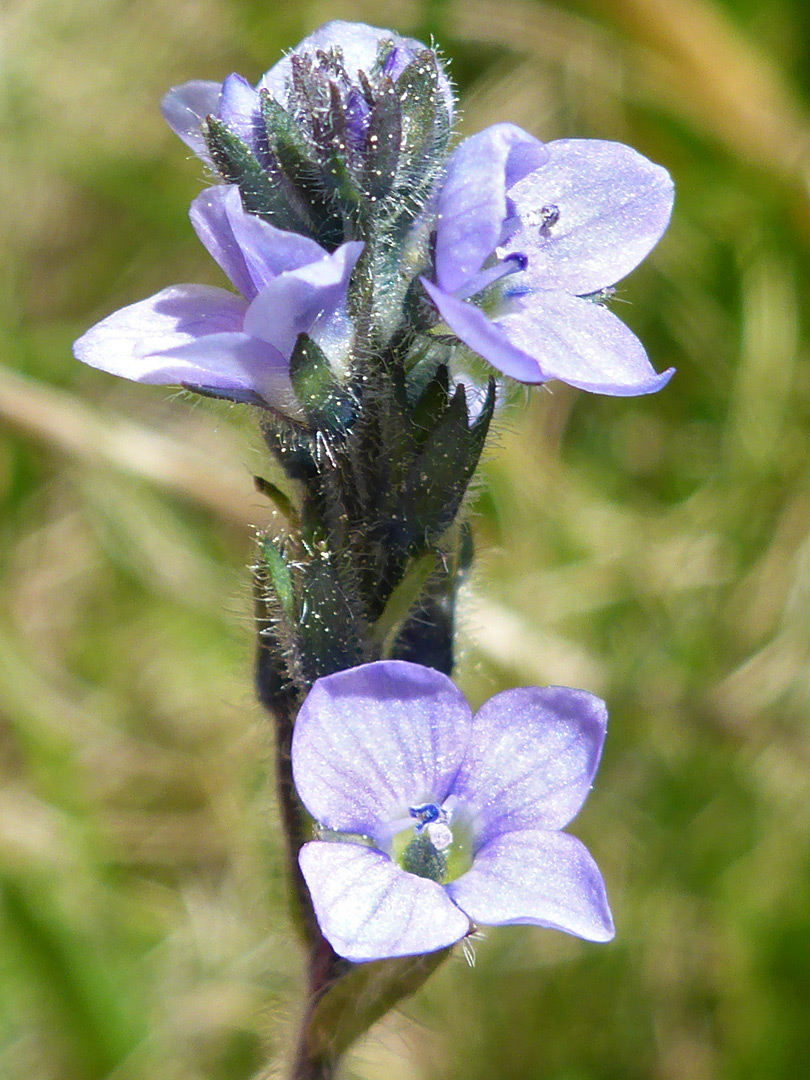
[(402, 600), (361, 997)]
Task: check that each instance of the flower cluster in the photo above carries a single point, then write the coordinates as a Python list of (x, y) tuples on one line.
[(339, 155), (391, 751)]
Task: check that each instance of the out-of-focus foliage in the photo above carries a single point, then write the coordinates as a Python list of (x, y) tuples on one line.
[(654, 550)]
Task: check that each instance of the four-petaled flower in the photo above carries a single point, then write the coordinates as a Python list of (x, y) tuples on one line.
[(391, 750), (238, 347), (528, 236)]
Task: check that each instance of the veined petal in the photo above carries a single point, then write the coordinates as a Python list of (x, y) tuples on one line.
[(190, 335), (613, 207), (472, 203), (250, 250), (184, 109), (543, 878), (369, 909), (531, 759), (581, 343), (480, 334), (372, 741), (131, 341), (291, 303)]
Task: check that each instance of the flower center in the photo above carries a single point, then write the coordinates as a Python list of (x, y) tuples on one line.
[(433, 850)]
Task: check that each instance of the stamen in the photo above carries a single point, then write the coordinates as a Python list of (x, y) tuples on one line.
[(510, 264), (549, 216), (543, 219), (425, 815)]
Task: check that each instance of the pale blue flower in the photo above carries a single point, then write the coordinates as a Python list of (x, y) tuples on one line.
[(221, 343), (391, 756), (528, 236)]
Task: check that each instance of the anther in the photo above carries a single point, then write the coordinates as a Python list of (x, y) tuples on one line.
[(549, 216)]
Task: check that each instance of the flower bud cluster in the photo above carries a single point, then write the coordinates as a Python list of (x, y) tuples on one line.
[(332, 149)]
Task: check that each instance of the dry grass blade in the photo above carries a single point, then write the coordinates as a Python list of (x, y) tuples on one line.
[(60, 421)]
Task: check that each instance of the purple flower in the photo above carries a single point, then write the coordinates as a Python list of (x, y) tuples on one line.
[(211, 340), (527, 238), (339, 50), (391, 754)]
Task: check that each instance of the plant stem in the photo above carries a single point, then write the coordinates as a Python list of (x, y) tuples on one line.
[(282, 703)]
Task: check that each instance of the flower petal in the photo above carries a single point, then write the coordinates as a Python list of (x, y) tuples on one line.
[(250, 251), (235, 366), (370, 909), (581, 343), (372, 741), (291, 303), (472, 203), (543, 878), (128, 342), (239, 109), (209, 217), (190, 335), (613, 205), (480, 333), (532, 757), (185, 107)]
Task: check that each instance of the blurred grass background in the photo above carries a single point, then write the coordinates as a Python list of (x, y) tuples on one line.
[(656, 551)]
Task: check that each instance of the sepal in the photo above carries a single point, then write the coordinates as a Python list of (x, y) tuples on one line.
[(313, 182), (292, 445), (427, 635), (331, 628), (311, 608), (359, 996), (431, 405), (434, 486), (426, 120), (383, 142), (237, 164), (327, 404), (284, 137)]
